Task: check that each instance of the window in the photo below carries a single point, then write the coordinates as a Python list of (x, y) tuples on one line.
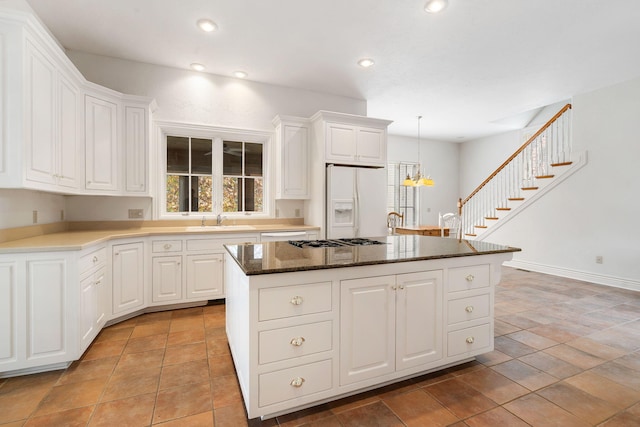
[(212, 175), (189, 175), (243, 189), (402, 199)]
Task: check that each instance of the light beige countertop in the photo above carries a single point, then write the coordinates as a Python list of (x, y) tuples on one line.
[(81, 239)]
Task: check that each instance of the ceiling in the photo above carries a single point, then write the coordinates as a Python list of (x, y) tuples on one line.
[(468, 71)]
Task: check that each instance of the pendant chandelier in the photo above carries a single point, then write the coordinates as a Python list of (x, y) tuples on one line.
[(418, 179)]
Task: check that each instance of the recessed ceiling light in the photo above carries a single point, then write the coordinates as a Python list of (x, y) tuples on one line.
[(197, 67), (366, 62), (240, 74), (207, 25), (435, 6)]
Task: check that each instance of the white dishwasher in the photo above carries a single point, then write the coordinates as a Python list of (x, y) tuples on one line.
[(283, 235)]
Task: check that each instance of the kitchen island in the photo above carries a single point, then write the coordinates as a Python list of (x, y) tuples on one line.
[(307, 325)]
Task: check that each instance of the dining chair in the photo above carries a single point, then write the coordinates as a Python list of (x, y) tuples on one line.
[(452, 222)]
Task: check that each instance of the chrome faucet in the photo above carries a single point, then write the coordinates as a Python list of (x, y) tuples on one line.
[(203, 220), (219, 219)]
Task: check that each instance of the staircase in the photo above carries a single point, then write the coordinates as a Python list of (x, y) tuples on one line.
[(541, 163)]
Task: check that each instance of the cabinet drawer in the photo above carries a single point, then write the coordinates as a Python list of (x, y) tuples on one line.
[(166, 246), (294, 382), (301, 340), (92, 259), (288, 301), (469, 340), (471, 308), (216, 244), (471, 277)]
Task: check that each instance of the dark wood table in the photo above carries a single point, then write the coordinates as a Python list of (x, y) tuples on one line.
[(423, 230)]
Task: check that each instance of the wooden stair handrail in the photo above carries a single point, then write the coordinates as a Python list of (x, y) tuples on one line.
[(461, 203)]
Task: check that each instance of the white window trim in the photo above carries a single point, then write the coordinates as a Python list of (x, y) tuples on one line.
[(217, 135)]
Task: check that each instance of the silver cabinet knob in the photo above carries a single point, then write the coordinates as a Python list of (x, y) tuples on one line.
[(94, 259), (297, 342), (297, 382), (470, 340), (297, 300), (469, 309), (167, 246), (470, 278)]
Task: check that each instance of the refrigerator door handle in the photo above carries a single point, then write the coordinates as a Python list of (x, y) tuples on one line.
[(356, 218)]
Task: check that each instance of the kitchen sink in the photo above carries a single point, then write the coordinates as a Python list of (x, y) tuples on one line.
[(220, 228)]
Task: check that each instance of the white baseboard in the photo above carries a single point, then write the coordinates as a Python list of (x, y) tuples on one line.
[(600, 279)]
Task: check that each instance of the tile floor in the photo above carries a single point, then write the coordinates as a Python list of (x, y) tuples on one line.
[(567, 354)]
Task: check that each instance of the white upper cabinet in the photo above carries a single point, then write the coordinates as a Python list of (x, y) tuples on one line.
[(136, 123), (101, 144), (58, 130), (51, 120), (352, 140), (292, 157)]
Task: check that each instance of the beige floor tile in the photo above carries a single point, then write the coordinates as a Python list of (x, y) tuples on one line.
[(70, 396), (182, 401), (131, 411)]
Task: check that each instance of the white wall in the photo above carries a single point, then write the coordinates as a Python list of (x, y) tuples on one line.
[(17, 206), (591, 213), (438, 159), (194, 97)]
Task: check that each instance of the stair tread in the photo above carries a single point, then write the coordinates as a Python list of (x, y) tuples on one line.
[(470, 234), (491, 217), (480, 226), (544, 176), (529, 188), (561, 164), (515, 199), (503, 209)]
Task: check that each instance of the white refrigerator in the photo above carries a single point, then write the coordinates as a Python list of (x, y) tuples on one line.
[(356, 202)]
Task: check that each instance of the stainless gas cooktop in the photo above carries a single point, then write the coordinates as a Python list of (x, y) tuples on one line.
[(335, 243)]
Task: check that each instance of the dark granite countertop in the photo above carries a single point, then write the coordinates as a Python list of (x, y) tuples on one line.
[(281, 257)]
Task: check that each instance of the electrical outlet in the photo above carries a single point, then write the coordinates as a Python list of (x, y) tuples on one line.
[(598, 259), (35, 217), (297, 213), (136, 213)]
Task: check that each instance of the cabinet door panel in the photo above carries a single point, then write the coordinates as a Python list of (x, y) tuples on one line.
[(128, 277), (205, 276), (419, 319), (295, 170), (88, 311), (166, 279), (68, 140), (135, 138), (371, 146), (367, 329), (8, 312), (46, 308), (341, 142), (101, 153), (40, 120)]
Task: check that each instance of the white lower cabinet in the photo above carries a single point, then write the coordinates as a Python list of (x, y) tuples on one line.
[(128, 278), (205, 276), (166, 278), (38, 314), (93, 294), (389, 323), (10, 320), (305, 337), (189, 268)]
